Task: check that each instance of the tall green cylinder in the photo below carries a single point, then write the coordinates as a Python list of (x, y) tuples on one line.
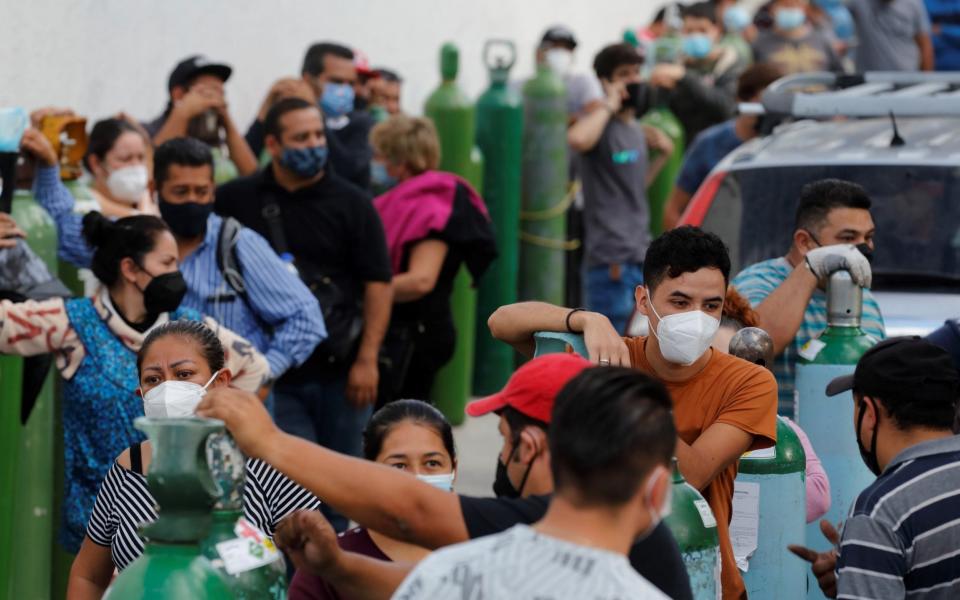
[(543, 226), (695, 528), (33, 510), (658, 192), (453, 115), (500, 138), (172, 566)]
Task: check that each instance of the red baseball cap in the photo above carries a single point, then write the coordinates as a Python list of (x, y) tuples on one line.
[(532, 389)]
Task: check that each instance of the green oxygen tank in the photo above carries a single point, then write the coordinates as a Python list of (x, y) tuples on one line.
[(223, 168), (453, 115), (31, 490), (172, 565), (658, 192), (500, 138), (543, 220), (243, 554), (695, 528), (828, 420)]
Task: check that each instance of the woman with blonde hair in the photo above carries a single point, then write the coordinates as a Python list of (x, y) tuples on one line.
[(433, 221)]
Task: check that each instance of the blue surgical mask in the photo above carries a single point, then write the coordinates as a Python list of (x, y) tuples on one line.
[(789, 19), (443, 481), (379, 178), (305, 162), (735, 19), (337, 99), (697, 45)]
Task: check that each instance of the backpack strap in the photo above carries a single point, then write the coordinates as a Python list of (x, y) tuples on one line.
[(227, 260), (136, 459)]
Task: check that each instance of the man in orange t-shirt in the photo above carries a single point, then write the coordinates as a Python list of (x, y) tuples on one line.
[(723, 406)]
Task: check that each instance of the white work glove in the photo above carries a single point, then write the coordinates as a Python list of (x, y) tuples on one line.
[(827, 260)]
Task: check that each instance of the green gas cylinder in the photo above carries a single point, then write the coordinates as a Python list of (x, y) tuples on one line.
[(32, 485), (658, 193), (453, 115), (244, 555), (223, 168), (172, 565), (543, 228), (500, 138), (828, 421), (694, 527)]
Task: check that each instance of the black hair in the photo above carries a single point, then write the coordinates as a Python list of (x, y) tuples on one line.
[(400, 411), (112, 241), (914, 410), (181, 151), (271, 123), (517, 421), (757, 78), (103, 136), (613, 56), (389, 76), (610, 427), (700, 10), (817, 199), (313, 59), (684, 250), (660, 15), (205, 338)]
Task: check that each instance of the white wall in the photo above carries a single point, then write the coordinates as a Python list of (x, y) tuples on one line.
[(103, 56)]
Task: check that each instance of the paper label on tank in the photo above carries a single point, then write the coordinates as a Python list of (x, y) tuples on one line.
[(811, 349), (706, 515), (763, 453), (250, 550)]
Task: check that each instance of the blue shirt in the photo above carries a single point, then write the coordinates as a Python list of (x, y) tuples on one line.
[(945, 15), (708, 149), (758, 281), (902, 535), (282, 318)]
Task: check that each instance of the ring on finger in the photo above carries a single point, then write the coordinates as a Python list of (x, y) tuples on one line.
[(604, 362)]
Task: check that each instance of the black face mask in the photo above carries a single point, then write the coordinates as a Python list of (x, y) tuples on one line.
[(187, 220), (502, 486), (869, 457), (866, 251), (164, 292), (638, 98)]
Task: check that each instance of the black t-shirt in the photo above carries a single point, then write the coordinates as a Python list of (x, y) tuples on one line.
[(656, 557), (331, 224)]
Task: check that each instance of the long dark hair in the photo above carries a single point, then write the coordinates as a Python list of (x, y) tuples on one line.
[(415, 411), (113, 241)]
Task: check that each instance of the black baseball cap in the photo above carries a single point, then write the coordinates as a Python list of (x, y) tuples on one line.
[(902, 367), (558, 34), (189, 68)]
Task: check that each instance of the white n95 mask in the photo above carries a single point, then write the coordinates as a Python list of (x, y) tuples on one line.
[(174, 399), (684, 337), (444, 481), (128, 183)]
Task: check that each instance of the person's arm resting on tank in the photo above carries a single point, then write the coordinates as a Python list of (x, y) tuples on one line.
[(515, 324), (376, 496)]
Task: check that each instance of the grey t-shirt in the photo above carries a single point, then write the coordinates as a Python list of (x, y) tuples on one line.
[(523, 564), (812, 52), (616, 214), (887, 31)]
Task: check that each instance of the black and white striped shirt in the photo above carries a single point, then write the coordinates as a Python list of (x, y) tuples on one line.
[(124, 504)]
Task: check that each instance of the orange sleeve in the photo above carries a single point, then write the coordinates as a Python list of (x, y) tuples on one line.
[(753, 406)]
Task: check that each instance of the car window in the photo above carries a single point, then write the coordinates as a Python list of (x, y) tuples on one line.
[(916, 210)]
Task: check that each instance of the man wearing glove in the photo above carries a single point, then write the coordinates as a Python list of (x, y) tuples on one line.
[(834, 231)]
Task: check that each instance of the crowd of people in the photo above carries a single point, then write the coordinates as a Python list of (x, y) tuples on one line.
[(295, 280)]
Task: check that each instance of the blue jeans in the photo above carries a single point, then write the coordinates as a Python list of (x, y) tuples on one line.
[(319, 411), (613, 298)]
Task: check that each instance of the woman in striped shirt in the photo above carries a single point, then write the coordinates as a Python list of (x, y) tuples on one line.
[(177, 362)]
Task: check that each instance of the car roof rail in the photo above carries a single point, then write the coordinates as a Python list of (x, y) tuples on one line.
[(871, 94)]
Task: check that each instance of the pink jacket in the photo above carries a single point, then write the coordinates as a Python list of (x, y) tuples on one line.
[(818, 485)]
